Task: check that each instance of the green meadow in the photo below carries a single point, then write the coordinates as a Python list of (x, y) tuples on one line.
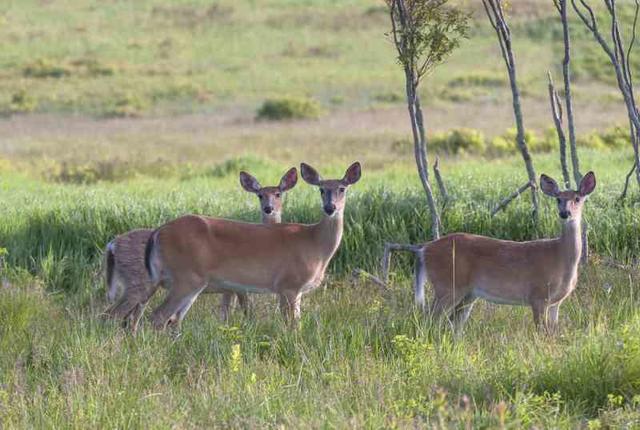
[(119, 115)]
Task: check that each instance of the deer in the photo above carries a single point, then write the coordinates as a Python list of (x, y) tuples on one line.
[(193, 252), (463, 268), (128, 284)]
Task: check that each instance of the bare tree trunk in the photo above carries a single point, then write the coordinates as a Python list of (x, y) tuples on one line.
[(495, 14), (566, 73), (556, 113), (440, 182), (419, 147), (619, 60)]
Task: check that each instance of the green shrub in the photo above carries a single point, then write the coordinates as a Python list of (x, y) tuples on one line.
[(403, 146), (288, 108), (592, 140), (388, 97), (128, 105), (461, 94), (92, 67), (477, 79), (506, 144), (616, 137), (549, 142), (234, 165), (88, 173), (457, 141), (43, 68), (22, 102)]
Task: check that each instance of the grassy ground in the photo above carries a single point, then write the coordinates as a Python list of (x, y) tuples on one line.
[(362, 357), (157, 57), (74, 172)]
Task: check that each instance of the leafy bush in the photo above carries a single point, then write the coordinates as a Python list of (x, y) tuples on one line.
[(88, 173), (388, 97), (506, 144), (43, 68), (614, 138), (128, 105), (463, 140), (477, 79), (288, 108), (234, 165), (22, 102)]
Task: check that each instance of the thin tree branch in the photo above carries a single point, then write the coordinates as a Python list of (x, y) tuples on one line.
[(441, 186), (386, 256), (494, 10), (504, 203), (556, 113), (363, 274), (623, 195)]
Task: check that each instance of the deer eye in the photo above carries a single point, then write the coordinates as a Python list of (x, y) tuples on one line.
[(342, 189), (278, 195), (577, 199), (260, 196)]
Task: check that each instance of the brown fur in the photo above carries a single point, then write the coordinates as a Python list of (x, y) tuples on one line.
[(193, 251), (125, 263), (540, 273)]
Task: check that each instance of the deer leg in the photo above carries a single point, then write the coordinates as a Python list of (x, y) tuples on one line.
[(540, 310), (182, 293), (225, 305), (243, 301), (122, 308), (462, 311), (135, 316), (290, 307), (553, 317)]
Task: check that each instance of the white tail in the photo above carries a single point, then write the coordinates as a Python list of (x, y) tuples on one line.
[(129, 286), (541, 273), (286, 259)]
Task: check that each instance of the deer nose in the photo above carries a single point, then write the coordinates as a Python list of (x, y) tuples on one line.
[(268, 210), (565, 214), (329, 208)]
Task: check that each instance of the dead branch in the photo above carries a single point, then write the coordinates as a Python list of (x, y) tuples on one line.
[(386, 256), (556, 113), (623, 195), (495, 13), (619, 58), (363, 274), (441, 186), (504, 203)]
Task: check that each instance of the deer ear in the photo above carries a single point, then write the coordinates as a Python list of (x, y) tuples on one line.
[(352, 175), (549, 186), (249, 183), (587, 184), (289, 180), (309, 174)]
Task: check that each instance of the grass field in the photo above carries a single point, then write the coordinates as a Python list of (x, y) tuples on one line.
[(362, 357), (118, 115)]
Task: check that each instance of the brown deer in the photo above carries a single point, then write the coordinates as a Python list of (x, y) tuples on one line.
[(194, 252), (128, 285), (540, 273)]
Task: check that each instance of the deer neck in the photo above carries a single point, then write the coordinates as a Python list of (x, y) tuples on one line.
[(271, 219), (328, 234), (571, 241)]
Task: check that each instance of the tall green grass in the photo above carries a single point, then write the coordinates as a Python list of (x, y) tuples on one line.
[(58, 231), (362, 358)]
